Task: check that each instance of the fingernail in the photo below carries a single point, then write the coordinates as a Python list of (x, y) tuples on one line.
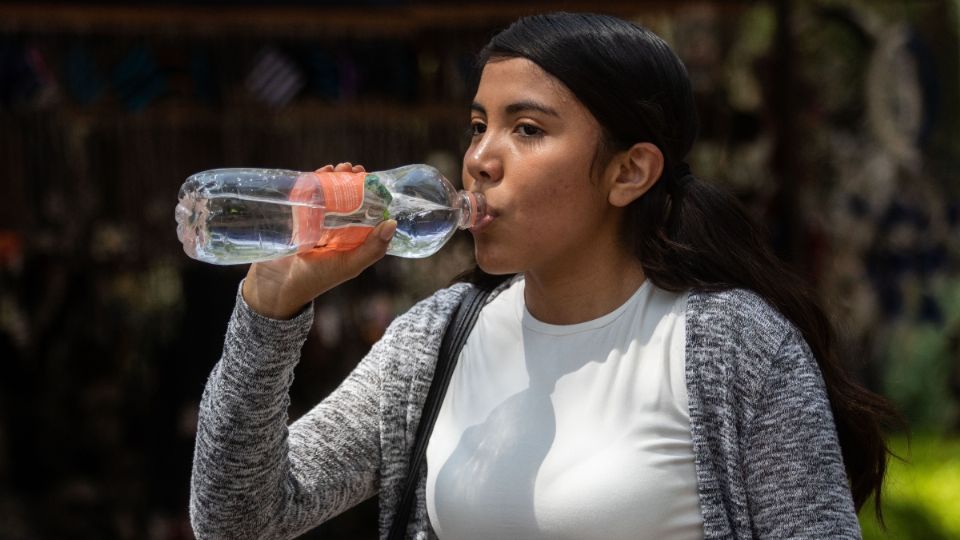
[(387, 228)]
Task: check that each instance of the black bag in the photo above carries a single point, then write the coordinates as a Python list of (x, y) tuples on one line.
[(453, 340)]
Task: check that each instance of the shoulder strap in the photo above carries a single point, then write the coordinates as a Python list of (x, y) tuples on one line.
[(453, 340)]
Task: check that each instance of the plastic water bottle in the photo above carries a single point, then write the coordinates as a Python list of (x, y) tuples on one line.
[(238, 216)]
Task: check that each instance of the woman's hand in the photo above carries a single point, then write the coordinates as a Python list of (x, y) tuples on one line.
[(280, 288)]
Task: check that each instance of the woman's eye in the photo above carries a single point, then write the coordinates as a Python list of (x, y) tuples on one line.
[(527, 130), (477, 128)]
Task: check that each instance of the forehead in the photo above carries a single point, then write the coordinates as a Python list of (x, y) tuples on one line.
[(515, 79)]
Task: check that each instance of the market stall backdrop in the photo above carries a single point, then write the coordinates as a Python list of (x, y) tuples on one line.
[(836, 121)]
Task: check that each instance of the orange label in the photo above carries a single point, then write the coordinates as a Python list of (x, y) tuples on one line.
[(339, 193), (342, 191)]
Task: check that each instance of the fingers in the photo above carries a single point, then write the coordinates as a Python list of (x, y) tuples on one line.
[(342, 167)]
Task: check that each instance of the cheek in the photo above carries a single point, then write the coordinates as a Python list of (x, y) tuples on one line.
[(464, 177), (564, 191), (549, 211)]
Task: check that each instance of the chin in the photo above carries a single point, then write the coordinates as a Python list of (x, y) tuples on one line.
[(494, 263), (496, 270)]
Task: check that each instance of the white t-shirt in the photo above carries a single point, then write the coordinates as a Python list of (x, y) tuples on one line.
[(567, 431)]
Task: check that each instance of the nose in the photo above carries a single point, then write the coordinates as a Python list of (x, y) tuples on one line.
[(482, 162)]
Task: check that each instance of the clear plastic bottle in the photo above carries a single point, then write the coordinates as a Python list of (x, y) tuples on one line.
[(238, 216)]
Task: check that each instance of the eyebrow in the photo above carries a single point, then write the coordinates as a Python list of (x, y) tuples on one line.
[(519, 107)]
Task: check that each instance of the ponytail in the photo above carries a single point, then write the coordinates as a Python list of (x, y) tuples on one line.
[(691, 234)]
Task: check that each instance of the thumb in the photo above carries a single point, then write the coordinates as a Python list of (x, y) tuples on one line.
[(383, 233), (372, 249)]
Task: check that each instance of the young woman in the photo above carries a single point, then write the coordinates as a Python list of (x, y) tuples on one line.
[(650, 370)]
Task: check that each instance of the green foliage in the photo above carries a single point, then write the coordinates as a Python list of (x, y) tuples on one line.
[(921, 496), (922, 363), (918, 377)]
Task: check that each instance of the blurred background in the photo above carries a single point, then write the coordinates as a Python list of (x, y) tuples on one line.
[(836, 121)]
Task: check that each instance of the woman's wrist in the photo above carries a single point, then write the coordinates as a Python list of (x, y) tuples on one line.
[(267, 301)]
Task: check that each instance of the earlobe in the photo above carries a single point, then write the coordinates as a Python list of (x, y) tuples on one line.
[(637, 169)]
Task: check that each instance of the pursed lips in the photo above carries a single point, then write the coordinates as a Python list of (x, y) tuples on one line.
[(483, 222)]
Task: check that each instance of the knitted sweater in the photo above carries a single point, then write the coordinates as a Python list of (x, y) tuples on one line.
[(767, 457)]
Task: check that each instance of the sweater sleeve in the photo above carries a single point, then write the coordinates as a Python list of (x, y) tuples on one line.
[(253, 477), (796, 482)]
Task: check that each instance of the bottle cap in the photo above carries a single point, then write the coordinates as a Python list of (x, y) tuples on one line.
[(475, 209)]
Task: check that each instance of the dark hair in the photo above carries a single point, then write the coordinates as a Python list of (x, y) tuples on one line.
[(686, 233)]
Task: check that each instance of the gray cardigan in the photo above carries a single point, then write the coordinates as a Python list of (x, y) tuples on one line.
[(768, 462)]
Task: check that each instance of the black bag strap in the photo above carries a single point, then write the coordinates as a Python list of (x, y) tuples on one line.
[(453, 340)]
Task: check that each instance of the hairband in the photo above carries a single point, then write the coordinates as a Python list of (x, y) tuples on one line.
[(683, 175)]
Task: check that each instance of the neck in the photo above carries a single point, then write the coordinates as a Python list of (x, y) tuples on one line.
[(583, 293)]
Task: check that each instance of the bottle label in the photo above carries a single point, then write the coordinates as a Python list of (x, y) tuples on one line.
[(323, 194)]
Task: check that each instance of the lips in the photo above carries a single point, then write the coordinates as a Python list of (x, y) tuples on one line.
[(482, 223)]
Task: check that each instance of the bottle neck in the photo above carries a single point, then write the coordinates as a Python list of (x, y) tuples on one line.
[(472, 207)]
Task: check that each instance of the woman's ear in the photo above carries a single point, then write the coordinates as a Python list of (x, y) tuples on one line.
[(633, 172)]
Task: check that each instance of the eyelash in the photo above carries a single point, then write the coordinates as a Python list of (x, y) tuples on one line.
[(537, 132), (479, 128), (474, 128)]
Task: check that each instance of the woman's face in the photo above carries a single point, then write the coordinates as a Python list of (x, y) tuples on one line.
[(531, 152)]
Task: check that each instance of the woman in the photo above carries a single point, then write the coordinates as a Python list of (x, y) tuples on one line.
[(650, 371)]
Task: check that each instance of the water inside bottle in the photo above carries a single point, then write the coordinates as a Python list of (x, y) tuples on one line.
[(246, 228), (422, 226), (232, 228)]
